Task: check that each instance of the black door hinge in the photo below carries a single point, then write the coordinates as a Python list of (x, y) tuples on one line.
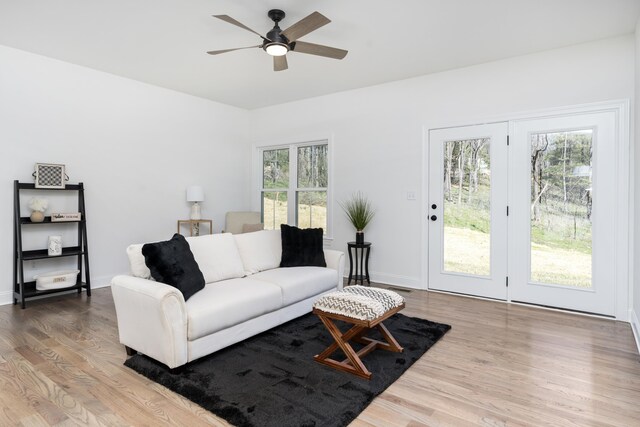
[(507, 210), (507, 281), (507, 139)]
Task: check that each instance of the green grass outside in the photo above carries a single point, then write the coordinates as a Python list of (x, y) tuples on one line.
[(560, 251)]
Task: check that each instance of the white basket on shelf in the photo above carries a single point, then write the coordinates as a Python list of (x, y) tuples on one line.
[(56, 279)]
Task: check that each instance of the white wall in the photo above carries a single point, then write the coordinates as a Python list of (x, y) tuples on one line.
[(636, 137), (135, 146), (378, 131)]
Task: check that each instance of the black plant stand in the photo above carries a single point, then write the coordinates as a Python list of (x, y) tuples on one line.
[(359, 262)]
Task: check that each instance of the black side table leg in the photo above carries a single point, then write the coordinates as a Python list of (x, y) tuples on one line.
[(351, 268), (361, 265), (366, 266)]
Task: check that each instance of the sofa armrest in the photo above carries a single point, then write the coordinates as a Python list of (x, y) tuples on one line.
[(152, 319), (335, 260)]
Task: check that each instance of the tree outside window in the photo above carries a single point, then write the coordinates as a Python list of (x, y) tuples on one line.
[(299, 174)]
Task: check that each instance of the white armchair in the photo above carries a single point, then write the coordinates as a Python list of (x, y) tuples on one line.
[(234, 221)]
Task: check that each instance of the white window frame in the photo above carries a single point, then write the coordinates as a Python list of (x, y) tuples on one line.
[(293, 189)]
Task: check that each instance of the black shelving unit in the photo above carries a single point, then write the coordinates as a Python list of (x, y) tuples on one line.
[(23, 290)]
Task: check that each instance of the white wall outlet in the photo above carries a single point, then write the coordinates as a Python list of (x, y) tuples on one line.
[(411, 195)]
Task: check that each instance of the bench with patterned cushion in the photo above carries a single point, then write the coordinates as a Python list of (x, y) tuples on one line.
[(359, 302), (365, 308)]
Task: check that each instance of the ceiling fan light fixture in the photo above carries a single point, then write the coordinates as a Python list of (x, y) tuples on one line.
[(276, 49), (278, 43)]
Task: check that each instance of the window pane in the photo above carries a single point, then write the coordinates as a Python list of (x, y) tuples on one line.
[(467, 207), (275, 168), (561, 202), (312, 209), (312, 166), (274, 209)]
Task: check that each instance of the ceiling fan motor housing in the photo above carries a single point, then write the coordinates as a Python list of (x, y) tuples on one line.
[(275, 36)]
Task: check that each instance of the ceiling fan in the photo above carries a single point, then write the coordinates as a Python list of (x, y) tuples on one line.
[(278, 42)]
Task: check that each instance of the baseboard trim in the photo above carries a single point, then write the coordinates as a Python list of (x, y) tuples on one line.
[(393, 280), (6, 297), (635, 327), (396, 280)]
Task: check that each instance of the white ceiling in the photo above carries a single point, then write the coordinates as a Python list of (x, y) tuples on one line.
[(163, 42)]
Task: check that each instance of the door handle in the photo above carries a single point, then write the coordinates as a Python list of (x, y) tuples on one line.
[(433, 206), (433, 217)]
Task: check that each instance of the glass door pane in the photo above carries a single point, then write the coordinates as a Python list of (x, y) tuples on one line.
[(467, 207), (561, 205)]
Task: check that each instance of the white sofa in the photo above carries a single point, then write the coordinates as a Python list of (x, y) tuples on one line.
[(246, 293)]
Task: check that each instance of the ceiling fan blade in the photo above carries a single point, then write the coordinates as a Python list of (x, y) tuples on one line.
[(280, 63), (320, 50), (218, 52), (305, 26), (230, 20)]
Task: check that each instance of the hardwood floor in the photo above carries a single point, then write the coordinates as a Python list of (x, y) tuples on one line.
[(500, 365)]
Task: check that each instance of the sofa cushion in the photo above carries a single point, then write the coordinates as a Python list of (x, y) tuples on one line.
[(302, 247), (136, 262), (217, 255), (260, 250), (172, 262), (298, 283), (228, 303)]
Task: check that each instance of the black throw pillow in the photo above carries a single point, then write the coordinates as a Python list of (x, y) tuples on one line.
[(301, 247), (172, 262)]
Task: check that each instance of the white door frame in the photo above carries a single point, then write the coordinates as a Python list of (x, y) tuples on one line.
[(624, 207)]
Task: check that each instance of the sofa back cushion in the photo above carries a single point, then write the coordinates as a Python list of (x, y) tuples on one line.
[(217, 256), (261, 250)]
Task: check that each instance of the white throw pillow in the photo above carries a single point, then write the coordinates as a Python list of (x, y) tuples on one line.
[(217, 256), (136, 262), (259, 251)]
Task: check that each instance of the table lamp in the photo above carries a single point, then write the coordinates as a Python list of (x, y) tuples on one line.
[(195, 194)]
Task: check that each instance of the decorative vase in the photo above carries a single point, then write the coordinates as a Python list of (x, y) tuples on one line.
[(37, 216), (359, 237)]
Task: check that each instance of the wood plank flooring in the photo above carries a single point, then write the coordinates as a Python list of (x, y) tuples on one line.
[(500, 365)]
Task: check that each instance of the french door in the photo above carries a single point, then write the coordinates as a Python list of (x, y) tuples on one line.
[(467, 210), (529, 220), (563, 212)]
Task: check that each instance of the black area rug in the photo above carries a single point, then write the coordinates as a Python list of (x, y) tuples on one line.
[(272, 379)]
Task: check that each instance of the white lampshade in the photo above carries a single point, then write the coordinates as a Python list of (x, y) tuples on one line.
[(195, 193)]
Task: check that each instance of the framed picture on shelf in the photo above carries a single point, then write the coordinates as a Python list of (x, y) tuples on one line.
[(48, 175)]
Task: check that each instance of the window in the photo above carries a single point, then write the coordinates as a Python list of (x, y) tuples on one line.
[(295, 182)]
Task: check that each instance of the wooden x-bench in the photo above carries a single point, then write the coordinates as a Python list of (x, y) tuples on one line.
[(353, 363)]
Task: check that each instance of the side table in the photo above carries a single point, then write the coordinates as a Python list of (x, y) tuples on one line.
[(359, 265), (194, 225)]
